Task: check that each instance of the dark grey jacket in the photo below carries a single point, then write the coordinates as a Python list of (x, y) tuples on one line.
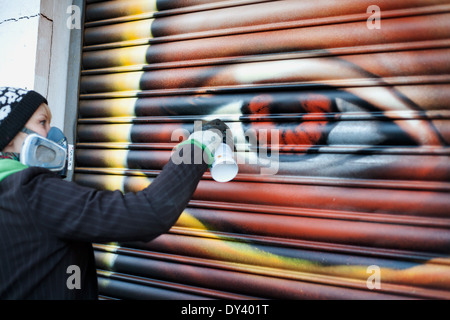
[(47, 225)]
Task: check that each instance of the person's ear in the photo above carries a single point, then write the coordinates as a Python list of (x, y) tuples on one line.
[(15, 144), (9, 146)]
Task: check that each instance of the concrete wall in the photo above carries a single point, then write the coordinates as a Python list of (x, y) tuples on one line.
[(35, 42), (19, 25)]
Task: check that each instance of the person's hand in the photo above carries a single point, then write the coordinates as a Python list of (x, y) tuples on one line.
[(215, 124), (210, 137), (219, 126)]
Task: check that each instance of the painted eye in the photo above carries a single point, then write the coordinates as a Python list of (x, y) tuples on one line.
[(341, 130)]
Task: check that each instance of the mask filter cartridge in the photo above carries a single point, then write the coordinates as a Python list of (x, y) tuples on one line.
[(38, 151)]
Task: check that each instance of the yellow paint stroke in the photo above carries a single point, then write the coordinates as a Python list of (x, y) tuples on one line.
[(130, 56), (113, 182), (117, 132), (137, 30), (141, 6), (113, 158), (122, 108), (431, 274), (435, 273)]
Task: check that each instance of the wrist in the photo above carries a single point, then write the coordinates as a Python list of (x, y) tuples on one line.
[(207, 140), (209, 159), (210, 139)]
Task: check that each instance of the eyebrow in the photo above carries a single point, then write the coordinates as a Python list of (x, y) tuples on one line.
[(42, 114)]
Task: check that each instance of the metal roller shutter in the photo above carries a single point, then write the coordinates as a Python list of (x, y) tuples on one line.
[(342, 135)]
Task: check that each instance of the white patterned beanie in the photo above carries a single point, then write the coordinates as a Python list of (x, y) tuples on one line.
[(16, 108)]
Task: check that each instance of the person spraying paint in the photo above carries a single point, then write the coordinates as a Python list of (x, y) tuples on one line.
[(47, 224)]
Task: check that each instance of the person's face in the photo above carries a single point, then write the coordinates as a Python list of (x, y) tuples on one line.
[(39, 123)]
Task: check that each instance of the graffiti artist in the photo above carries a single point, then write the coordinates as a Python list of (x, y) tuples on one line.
[(48, 223)]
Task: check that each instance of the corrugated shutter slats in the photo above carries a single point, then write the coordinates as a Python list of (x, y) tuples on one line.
[(350, 124)]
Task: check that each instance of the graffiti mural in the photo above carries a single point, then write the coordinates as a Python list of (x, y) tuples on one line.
[(341, 134)]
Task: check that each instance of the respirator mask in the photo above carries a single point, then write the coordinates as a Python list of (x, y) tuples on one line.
[(50, 153)]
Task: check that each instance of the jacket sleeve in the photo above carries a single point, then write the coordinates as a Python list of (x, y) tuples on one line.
[(75, 212)]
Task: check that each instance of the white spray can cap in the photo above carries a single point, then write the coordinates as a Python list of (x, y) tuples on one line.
[(224, 167)]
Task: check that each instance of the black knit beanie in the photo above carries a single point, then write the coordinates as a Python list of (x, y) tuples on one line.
[(16, 108)]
